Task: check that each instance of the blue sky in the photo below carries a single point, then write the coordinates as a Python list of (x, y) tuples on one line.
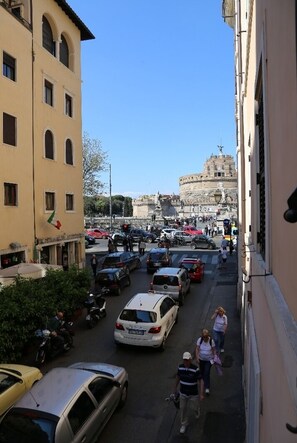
[(158, 89)]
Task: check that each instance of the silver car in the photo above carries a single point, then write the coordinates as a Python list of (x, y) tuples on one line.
[(68, 405)]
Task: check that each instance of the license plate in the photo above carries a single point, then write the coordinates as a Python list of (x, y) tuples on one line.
[(136, 331), (157, 264)]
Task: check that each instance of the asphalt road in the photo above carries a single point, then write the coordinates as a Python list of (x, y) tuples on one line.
[(146, 417)]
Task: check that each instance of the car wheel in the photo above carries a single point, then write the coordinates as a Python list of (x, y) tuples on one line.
[(193, 246), (124, 395), (119, 291), (129, 281), (163, 344)]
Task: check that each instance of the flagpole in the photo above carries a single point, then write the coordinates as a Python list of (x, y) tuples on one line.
[(110, 202)]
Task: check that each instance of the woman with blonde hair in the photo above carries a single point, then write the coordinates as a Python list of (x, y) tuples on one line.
[(205, 353), (219, 328)]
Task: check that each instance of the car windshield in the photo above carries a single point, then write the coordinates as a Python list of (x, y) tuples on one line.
[(157, 256), (138, 316), (170, 280), (189, 266), (27, 427)]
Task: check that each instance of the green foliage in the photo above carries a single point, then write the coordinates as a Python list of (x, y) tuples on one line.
[(94, 162), (100, 205), (27, 304)]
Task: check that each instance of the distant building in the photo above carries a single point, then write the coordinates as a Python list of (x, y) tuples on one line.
[(198, 193), (41, 134)]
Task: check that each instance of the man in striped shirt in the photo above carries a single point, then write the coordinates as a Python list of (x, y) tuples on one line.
[(188, 379)]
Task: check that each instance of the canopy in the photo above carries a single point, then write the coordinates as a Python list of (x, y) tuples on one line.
[(26, 270)]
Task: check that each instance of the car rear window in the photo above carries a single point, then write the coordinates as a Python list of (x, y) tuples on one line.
[(105, 277), (109, 261), (189, 266), (26, 426), (157, 256), (170, 280), (138, 316)]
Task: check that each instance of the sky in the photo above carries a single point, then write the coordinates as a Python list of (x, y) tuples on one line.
[(157, 89)]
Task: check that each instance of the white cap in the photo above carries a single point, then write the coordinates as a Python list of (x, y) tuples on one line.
[(187, 356)]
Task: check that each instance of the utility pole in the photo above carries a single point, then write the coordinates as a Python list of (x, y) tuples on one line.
[(110, 202)]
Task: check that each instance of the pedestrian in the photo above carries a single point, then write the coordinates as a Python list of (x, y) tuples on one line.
[(219, 328), (224, 243), (188, 379), (130, 243), (231, 246), (125, 243), (205, 353), (220, 259), (94, 264), (141, 246), (224, 257), (110, 245)]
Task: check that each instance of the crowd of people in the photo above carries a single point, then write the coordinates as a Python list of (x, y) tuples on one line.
[(192, 383)]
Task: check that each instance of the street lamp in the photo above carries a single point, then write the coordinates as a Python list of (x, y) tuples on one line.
[(217, 196)]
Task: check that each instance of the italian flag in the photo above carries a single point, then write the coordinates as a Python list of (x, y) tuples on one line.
[(52, 221)]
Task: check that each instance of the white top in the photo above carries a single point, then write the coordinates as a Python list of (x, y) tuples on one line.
[(205, 351), (220, 323)]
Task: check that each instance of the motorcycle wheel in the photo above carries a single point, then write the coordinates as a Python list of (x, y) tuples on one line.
[(40, 357)]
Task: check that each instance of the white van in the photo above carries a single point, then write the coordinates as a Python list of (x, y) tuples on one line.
[(174, 282)]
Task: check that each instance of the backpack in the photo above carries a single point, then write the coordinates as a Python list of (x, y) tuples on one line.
[(211, 341)]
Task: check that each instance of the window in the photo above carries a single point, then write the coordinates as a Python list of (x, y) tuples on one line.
[(69, 152), (9, 129), (101, 388), (10, 194), (49, 201), (68, 105), (69, 202), (64, 52), (48, 93), (49, 145), (47, 37), (9, 67), (80, 412)]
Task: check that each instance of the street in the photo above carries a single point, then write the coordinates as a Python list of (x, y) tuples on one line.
[(147, 417)]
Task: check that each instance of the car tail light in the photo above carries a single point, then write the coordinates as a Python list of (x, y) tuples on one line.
[(155, 330), (151, 284), (119, 326)]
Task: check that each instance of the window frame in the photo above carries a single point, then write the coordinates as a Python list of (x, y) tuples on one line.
[(69, 199), (48, 92), (50, 200), (8, 66), (48, 41), (47, 147), (64, 52), (9, 129), (10, 194), (68, 146), (68, 102)]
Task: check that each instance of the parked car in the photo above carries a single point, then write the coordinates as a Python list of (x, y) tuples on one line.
[(138, 234), (15, 381), (183, 236), (169, 232), (129, 260), (203, 242), (113, 279), (158, 258), (194, 266), (146, 320), (192, 230), (68, 405), (174, 282), (97, 233), (90, 240)]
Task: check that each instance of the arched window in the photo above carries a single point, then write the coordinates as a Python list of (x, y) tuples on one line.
[(64, 52), (49, 145), (47, 37), (69, 152)]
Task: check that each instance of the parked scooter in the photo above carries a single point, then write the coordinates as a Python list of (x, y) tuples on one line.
[(52, 343), (96, 306)]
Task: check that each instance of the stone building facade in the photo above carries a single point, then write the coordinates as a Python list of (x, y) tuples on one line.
[(197, 193)]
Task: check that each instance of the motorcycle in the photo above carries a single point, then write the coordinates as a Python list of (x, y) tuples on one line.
[(53, 344), (96, 307)]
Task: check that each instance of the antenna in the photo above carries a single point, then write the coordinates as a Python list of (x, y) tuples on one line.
[(37, 404)]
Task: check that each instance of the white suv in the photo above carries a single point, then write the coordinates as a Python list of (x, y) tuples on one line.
[(174, 282), (146, 320)]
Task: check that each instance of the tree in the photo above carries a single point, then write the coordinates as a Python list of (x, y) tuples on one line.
[(94, 162)]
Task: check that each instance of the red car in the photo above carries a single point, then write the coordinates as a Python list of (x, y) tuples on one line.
[(195, 268), (97, 233), (192, 230)]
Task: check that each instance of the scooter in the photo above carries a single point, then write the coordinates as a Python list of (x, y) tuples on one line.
[(53, 344), (96, 306)]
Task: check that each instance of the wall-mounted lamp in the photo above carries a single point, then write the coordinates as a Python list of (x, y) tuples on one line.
[(248, 277), (290, 215)]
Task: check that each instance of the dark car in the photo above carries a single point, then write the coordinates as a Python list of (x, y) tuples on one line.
[(129, 260), (113, 279), (118, 238), (89, 240), (158, 258), (138, 234), (203, 242)]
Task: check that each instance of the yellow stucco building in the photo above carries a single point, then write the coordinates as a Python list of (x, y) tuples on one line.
[(41, 133)]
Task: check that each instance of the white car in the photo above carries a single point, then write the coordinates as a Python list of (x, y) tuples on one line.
[(146, 320), (169, 232), (185, 236)]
